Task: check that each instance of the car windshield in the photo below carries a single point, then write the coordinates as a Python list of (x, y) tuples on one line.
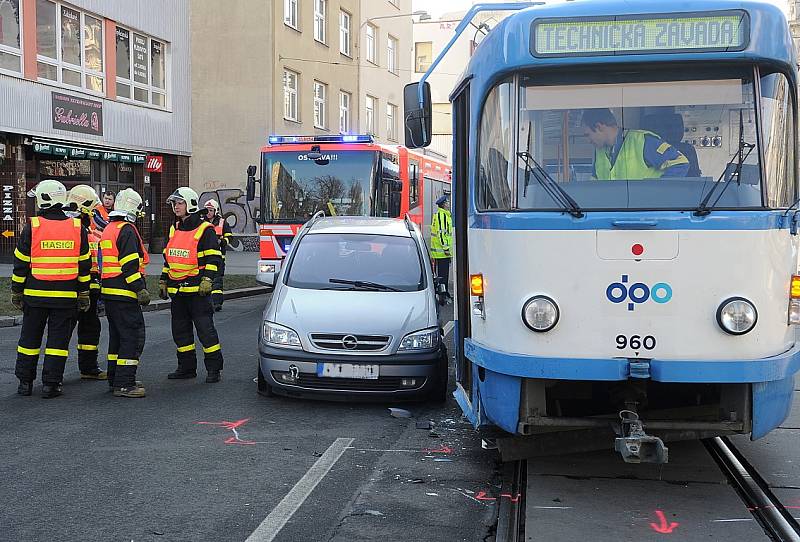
[(635, 140), (343, 261), (338, 182)]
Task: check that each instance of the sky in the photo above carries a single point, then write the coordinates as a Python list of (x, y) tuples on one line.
[(437, 7)]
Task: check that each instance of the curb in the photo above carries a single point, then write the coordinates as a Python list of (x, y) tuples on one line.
[(158, 304)]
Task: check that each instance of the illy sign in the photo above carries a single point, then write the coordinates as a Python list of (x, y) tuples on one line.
[(155, 164)]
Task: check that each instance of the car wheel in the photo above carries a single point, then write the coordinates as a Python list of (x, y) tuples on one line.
[(439, 393), (263, 388)]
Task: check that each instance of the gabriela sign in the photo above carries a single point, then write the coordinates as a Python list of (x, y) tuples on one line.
[(76, 114)]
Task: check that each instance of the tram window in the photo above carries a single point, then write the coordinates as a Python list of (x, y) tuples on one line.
[(779, 140), (645, 140), (496, 141)]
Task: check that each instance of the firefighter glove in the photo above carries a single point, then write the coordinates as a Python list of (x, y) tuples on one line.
[(206, 285), (16, 300), (162, 289), (84, 302), (143, 297)]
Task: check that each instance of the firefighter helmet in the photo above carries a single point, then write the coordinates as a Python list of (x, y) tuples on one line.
[(49, 193), (184, 193), (129, 204), (83, 198)]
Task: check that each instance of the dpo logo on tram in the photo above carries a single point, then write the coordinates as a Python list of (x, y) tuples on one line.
[(638, 292)]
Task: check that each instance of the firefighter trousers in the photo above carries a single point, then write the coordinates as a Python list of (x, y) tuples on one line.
[(195, 310), (216, 292), (125, 342), (60, 323), (88, 336)]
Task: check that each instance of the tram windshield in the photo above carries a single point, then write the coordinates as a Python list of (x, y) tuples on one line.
[(637, 141), (337, 182)]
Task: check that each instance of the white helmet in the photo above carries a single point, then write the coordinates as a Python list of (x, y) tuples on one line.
[(184, 193), (129, 204), (49, 193), (212, 203), (83, 198)]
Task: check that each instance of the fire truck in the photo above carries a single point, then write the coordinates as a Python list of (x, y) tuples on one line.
[(344, 175)]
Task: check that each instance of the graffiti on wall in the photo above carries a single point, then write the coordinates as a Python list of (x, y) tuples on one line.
[(239, 213)]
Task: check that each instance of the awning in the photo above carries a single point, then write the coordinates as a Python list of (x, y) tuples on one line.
[(87, 153)]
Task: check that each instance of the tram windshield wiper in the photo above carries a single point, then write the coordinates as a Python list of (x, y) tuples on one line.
[(364, 285), (740, 156), (553, 189)]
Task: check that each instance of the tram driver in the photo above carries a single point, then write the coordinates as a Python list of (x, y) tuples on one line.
[(629, 154)]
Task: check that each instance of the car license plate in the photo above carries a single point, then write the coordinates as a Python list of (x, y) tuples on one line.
[(347, 370)]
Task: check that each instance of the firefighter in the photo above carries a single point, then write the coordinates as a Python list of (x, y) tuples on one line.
[(191, 261), (81, 200), (123, 289), (50, 284), (223, 231)]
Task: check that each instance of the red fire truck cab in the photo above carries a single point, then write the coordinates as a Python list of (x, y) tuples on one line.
[(340, 175)]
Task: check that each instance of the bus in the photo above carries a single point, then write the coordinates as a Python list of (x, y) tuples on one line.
[(338, 175), (626, 241)]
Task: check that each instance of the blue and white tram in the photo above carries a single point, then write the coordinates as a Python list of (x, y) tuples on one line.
[(625, 180)]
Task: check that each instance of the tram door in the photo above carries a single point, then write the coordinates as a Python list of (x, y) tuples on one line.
[(460, 187)]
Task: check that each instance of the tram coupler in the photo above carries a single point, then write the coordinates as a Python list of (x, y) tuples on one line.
[(635, 445)]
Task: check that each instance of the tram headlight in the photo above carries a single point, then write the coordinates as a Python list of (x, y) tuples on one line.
[(737, 316), (540, 313)]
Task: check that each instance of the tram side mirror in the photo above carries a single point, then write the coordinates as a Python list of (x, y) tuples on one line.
[(251, 183), (418, 122)]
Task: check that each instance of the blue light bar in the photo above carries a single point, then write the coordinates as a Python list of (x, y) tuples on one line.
[(346, 138)]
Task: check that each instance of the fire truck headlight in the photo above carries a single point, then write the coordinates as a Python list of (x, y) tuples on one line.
[(737, 316), (540, 313), (266, 268)]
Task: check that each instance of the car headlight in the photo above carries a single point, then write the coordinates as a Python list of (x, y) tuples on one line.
[(281, 336), (427, 339), (540, 314), (737, 316)]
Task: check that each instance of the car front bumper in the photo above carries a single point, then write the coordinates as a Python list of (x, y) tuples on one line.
[(420, 372)]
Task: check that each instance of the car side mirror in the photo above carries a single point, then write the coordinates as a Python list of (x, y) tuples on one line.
[(418, 121), (266, 274), (251, 183)]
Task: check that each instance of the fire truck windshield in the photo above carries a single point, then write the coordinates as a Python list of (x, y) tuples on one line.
[(337, 182)]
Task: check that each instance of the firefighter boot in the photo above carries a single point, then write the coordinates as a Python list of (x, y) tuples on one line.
[(136, 391), (25, 388), (212, 377), (50, 391)]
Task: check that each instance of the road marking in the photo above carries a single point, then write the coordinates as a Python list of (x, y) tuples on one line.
[(281, 514), (448, 327)]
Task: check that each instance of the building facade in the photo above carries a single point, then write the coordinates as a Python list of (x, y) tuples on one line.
[(94, 92), (289, 67)]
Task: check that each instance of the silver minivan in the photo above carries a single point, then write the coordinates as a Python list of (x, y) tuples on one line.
[(354, 314)]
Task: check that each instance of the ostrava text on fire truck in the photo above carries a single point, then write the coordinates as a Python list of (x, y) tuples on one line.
[(345, 175)]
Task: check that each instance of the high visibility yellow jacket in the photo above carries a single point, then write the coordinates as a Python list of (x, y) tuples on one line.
[(441, 234)]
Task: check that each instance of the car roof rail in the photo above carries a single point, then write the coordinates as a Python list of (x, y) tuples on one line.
[(409, 223)]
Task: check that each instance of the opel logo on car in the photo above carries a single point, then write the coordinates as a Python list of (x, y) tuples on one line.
[(349, 342)]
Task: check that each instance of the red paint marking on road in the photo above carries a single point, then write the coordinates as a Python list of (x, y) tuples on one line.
[(509, 496), (233, 426), (663, 527), (439, 450), (235, 440), (481, 496)]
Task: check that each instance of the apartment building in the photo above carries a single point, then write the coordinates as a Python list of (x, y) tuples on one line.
[(290, 67), (93, 92)]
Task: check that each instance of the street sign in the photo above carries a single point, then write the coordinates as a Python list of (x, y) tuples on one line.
[(7, 234)]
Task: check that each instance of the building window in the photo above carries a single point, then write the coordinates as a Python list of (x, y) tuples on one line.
[(290, 95), (370, 117), (320, 97), (391, 54), (391, 122), (344, 112), (370, 44), (423, 53), (141, 68), (344, 33), (290, 13), (70, 47), (320, 9), (10, 48)]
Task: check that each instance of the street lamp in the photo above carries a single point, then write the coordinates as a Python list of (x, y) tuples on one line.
[(422, 14)]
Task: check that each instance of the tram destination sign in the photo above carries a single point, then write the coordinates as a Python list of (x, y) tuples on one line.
[(640, 34)]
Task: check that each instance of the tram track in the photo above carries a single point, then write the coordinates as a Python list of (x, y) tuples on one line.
[(768, 511)]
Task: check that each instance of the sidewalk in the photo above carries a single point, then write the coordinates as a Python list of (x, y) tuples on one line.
[(236, 263)]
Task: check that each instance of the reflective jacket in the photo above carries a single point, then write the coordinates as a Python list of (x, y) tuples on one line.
[(192, 253), (94, 243), (441, 234), (630, 162), (223, 231), (122, 261), (52, 261)]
